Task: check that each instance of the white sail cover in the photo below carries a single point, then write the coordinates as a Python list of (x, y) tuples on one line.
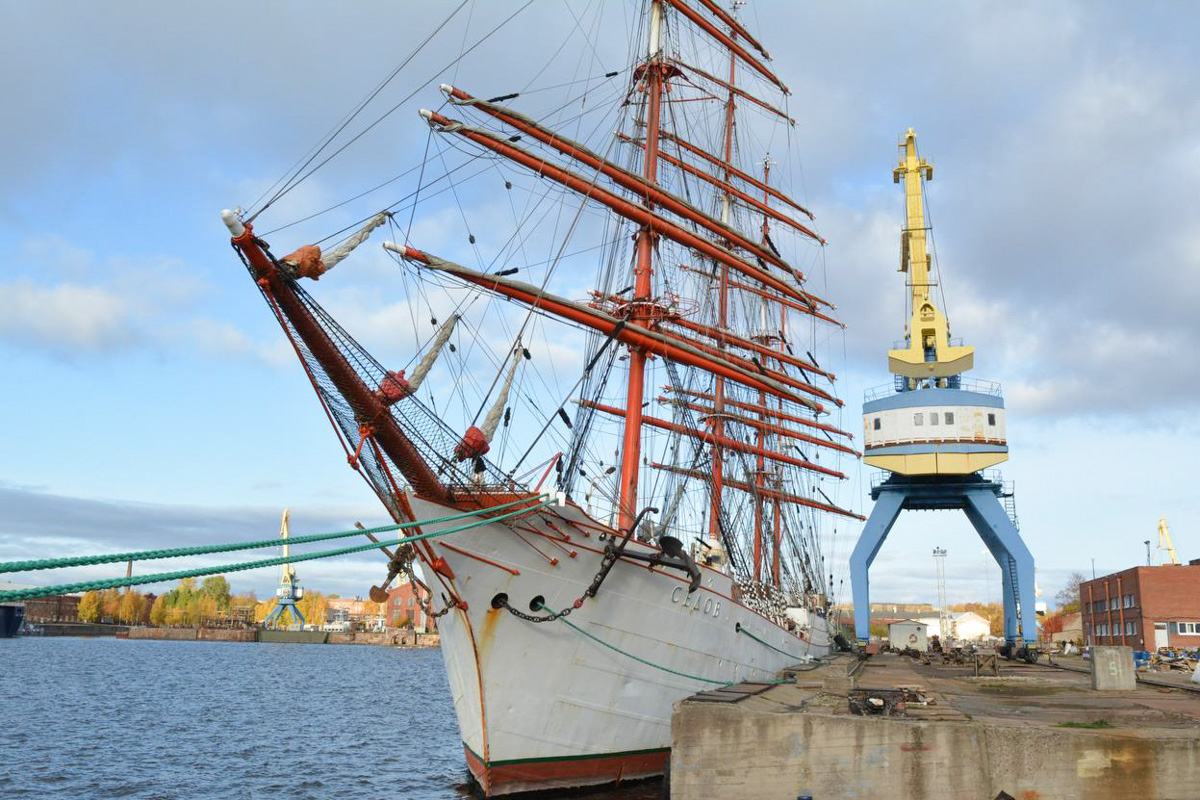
[(492, 421), (344, 249), (426, 363)]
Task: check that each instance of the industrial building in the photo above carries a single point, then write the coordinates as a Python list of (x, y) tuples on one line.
[(404, 603), (1143, 607)]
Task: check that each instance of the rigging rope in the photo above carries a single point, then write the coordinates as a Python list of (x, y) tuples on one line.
[(297, 181), (83, 586)]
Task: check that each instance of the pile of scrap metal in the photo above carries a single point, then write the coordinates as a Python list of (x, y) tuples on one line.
[(877, 702)]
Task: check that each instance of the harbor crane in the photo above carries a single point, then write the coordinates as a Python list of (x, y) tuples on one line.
[(1164, 540), (289, 592), (934, 433)]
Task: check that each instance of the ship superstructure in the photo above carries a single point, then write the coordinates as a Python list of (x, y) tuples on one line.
[(698, 433)]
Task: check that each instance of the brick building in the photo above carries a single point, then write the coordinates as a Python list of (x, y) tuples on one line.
[(1143, 607), (403, 603), (56, 608)]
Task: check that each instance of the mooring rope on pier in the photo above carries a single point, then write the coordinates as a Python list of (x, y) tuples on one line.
[(161, 577)]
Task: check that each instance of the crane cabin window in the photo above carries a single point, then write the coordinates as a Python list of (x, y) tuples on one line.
[(992, 419), (918, 419), (933, 418), (949, 418), (876, 423)]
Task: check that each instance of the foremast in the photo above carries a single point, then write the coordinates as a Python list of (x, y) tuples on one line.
[(631, 451)]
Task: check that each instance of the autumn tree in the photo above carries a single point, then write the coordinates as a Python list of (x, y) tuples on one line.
[(216, 587), (130, 608), (1068, 597), (89, 607), (158, 611)]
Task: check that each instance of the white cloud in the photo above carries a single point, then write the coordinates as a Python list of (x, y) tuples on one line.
[(65, 319)]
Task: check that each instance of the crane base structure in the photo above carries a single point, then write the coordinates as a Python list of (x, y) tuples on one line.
[(979, 496)]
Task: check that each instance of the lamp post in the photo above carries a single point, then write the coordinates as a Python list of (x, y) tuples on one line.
[(1147, 543)]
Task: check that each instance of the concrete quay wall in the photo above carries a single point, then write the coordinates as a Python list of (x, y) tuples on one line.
[(78, 629), (399, 638), (192, 634), (722, 753)]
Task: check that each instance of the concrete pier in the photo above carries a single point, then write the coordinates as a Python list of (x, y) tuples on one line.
[(1034, 733)]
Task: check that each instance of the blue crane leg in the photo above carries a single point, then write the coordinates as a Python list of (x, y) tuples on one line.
[(299, 616), (883, 516), (988, 516), (272, 616), (1000, 554)]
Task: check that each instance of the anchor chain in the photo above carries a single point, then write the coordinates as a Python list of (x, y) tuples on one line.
[(501, 601), (612, 552), (403, 561)]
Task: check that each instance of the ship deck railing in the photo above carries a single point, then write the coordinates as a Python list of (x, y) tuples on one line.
[(976, 385), (935, 440)]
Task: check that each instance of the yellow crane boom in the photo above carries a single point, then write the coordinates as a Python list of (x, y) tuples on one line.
[(929, 353), (1164, 540)]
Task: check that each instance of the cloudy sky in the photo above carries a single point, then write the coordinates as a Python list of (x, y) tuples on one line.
[(149, 399)]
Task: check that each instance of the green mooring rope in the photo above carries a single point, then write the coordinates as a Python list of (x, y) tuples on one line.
[(740, 629), (627, 654), (199, 550), (160, 577)]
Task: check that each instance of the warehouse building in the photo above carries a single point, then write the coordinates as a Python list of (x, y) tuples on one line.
[(1143, 607)]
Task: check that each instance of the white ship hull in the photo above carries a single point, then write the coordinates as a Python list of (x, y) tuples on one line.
[(541, 706)]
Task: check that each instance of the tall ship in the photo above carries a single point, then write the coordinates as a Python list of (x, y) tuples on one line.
[(621, 448)]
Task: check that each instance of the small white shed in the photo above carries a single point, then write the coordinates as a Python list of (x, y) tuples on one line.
[(971, 627), (909, 633)]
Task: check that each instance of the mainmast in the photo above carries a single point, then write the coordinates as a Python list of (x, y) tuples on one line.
[(631, 453), (718, 416)]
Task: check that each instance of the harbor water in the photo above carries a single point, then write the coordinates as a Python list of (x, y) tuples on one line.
[(159, 720)]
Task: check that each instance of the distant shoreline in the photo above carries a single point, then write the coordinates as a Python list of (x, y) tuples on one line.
[(393, 638)]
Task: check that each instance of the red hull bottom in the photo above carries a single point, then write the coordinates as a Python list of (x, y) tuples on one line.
[(513, 777)]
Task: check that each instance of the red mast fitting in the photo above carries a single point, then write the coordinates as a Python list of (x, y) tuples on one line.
[(654, 223), (650, 193), (767, 493), (626, 332), (726, 337), (712, 438), (724, 185), (769, 412), (746, 95), (744, 176), (765, 426), (735, 48)]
